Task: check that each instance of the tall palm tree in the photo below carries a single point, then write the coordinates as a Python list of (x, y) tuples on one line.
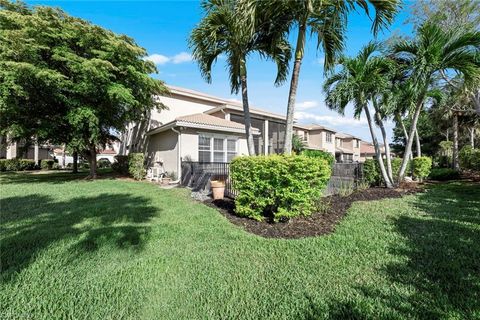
[(237, 29), (327, 20), (359, 81), (432, 52)]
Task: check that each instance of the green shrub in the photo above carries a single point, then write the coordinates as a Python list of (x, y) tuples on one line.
[(103, 163), (320, 154), (120, 165), (371, 172), (444, 174), (56, 166), (46, 164), (469, 158), (475, 162), (278, 187), (422, 167), (136, 165), (16, 164)]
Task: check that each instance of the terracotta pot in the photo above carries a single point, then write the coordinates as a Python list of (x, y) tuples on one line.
[(218, 189)]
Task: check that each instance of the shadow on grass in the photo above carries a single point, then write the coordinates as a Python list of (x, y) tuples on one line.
[(32, 223), (51, 177), (438, 273)]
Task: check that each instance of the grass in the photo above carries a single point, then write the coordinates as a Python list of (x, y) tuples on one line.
[(110, 249)]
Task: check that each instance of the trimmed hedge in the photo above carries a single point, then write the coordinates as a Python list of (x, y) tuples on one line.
[(136, 165), (444, 174), (46, 164), (120, 165), (320, 154), (421, 167), (16, 164), (278, 187)]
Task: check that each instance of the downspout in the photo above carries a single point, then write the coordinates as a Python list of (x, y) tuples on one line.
[(179, 159)]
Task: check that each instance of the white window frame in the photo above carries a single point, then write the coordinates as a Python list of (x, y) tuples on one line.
[(225, 138), (328, 134)]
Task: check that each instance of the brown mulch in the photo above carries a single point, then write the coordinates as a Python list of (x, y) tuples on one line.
[(315, 225)]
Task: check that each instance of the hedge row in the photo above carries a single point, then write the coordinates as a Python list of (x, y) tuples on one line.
[(16, 164), (469, 158), (420, 168), (278, 187)]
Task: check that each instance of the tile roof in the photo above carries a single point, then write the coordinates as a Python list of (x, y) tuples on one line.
[(206, 119), (313, 126)]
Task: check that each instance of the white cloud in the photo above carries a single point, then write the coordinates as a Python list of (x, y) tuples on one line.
[(182, 57), (332, 120), (306, 105), (160, 59)]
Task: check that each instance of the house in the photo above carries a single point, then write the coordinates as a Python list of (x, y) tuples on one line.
[(200, 127), (367, 151), (20, 150), (347, 148)]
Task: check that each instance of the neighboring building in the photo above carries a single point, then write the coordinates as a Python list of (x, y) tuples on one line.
[(200, 127), (347, 148), (367, 151), (18, 150)]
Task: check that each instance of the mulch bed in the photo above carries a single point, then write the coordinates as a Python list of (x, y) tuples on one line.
[(315, 225)]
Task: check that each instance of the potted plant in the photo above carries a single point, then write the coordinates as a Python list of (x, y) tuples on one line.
[(218, 189)]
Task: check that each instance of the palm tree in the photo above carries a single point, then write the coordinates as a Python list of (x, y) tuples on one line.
[(432, 52), (359, 81), (327, 20), (236, 29)]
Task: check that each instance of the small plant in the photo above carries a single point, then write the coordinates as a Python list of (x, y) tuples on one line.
[(136, 165), (172, 175), (323, 205), (120, 165), (46, 164), (363, 185), (346, 188), (421, 167), (55, 166)]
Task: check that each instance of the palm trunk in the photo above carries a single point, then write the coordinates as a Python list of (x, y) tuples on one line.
[(417, 144), (293, 87), (404, 129), (456, 165), (385, 143), (408, 147), (93, 162), (75, 162), (476, 101), (378, 153), (246, 109), (472, 137)]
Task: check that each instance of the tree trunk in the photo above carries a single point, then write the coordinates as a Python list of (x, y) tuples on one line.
[(75, 162), (246, 109), (408, 147), (385, 143), (417, 144), (405, 133), (472, 137), (93, 162), (63, 156), (456, 164), (292, 95), (378, 152), (476, 101)]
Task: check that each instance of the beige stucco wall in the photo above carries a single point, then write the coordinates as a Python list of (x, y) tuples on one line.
[(163, 146), (180, 106), (318, 139)]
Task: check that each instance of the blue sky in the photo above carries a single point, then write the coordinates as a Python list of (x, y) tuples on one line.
[(163, 27)]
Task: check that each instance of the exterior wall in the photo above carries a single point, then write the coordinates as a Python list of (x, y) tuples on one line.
[(163, 147), (318, 139)]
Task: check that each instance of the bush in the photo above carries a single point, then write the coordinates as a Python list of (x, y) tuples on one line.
[(136, 165), (278, 187), (46, 164), (56, 166), (103, 163), (371, 172), (120, 165), (444, 174), (16, 164), (320, 154), (422, 167), (469, 158)]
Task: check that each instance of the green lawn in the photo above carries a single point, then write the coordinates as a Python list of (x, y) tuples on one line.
[(114, 249)]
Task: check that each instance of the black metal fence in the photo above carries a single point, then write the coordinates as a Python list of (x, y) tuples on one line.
[(197, 175)]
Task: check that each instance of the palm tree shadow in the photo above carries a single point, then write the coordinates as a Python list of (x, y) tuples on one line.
[(31, 224), (437, 270)]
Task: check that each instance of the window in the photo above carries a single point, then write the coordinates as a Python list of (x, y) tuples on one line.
[(204, 150), (357, 143), (216, 148), (328, 137), (231, 149)]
